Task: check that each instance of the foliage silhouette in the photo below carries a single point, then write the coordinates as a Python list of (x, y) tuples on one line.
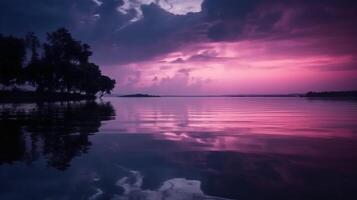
[(60, 65), (12, 55)]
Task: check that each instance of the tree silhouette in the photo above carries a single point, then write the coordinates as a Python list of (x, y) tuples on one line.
[(33, 44), (33, 72), (64, 55), (106, 85), (12, 55), (61, 66)]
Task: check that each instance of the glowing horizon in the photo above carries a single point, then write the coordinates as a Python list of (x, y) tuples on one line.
[(245, 67)]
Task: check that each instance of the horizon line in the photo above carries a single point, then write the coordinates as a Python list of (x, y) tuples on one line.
[(297, 94)]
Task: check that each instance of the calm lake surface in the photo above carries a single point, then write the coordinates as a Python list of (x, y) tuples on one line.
[(179, 148)]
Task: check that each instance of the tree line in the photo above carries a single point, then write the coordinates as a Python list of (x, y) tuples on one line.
[(61, 64)]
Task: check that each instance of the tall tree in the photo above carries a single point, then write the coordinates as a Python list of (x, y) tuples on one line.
[(33, 44), (12, 55), (66, 56), (33, 72)]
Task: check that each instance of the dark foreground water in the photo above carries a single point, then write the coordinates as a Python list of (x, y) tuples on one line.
[(179, 148)]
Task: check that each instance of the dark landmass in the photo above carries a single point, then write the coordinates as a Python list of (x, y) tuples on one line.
[(333, 94), (245, 95), (262, 95), (29, 96), (139, 95)]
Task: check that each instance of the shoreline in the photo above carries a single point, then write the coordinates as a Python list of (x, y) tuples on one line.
[(29, 96)]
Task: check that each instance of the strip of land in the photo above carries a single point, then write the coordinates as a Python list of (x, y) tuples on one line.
[(29, 96), (139, 95), (333, 94)]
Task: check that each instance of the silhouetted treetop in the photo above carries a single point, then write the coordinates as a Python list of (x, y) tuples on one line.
[(61, 47), (33, 44), (12, 55)]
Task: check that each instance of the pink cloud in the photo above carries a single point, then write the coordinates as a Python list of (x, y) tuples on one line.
[(248, 66)]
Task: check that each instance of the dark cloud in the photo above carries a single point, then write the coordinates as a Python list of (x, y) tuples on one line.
[(21, 16), (178, 60), (185, 71), (116, 39), (241, 19), (228, 9), (156, 33), (228, 17)]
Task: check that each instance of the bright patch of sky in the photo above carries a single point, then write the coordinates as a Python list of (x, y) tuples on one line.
[(177, 7), (98, 2)]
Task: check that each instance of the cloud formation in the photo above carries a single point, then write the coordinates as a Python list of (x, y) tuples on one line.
[(243, 46)]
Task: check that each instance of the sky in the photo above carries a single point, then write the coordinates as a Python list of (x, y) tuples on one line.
[(205, 47)]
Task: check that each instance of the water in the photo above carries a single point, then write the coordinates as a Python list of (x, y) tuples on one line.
[(179, 148)]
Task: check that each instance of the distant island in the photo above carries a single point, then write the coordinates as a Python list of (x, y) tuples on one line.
[(326, 94), (332, 94), (59, 69), (139, 95)]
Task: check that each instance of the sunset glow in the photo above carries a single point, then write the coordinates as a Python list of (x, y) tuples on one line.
[(243, 67), (207, 46)]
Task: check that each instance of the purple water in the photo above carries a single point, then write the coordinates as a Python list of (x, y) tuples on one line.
[(180, 148)]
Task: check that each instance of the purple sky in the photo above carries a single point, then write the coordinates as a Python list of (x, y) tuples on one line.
[(205, 46)]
